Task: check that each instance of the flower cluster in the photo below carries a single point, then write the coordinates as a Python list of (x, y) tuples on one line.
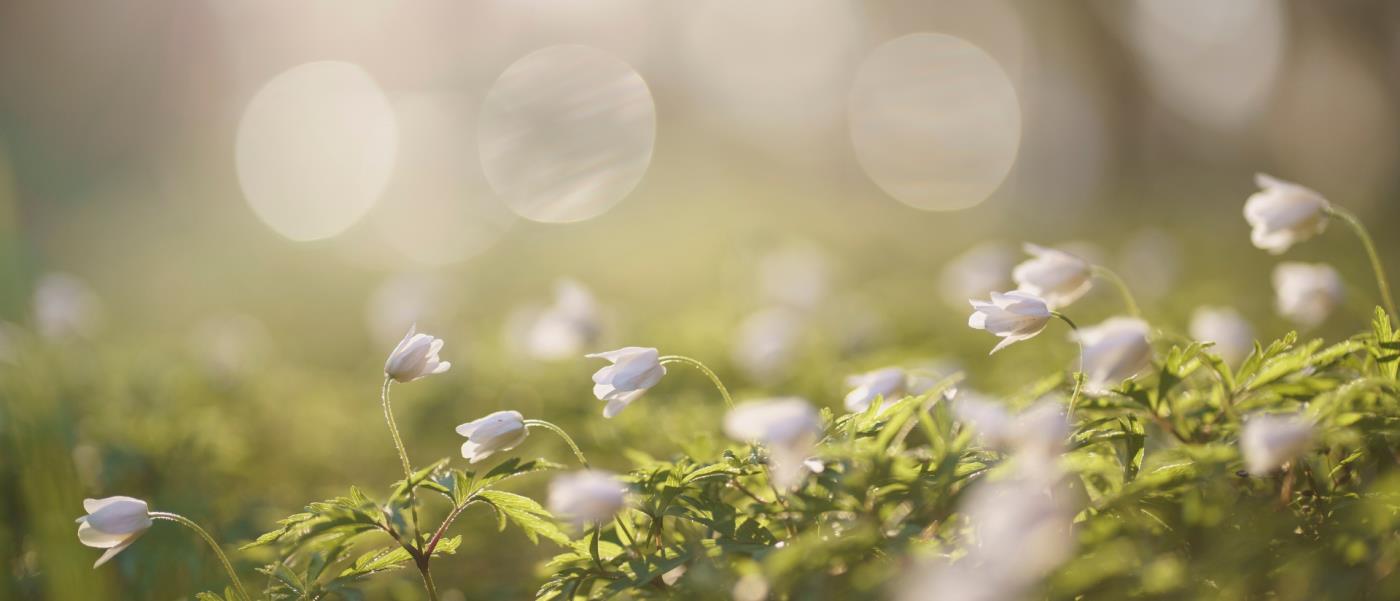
[(991, 504)]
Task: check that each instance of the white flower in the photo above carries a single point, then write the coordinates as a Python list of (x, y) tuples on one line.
[(416, 356), (1269, 441), (889, 384), (796, 276), (673, 575), (766, 342), (64, 306), (586, 496), (1015, 316), (1041, 428), (1114, 350), (1224, 326), (571, 324), (1306, 293), (1054, 275), (497, 432), (976, 272), (1283, 214), (789, 427), (632, 371), (113, 524)]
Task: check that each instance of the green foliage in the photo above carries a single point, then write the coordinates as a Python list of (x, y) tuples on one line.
[(1165, 509)]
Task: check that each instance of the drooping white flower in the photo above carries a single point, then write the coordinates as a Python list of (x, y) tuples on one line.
[(1041, 428), (1114, 350), (796, 276), (64, 306), (1224, 326), (673, 575), (497, 432), (416, 356), (1054, 275), (113, 524), (889, 383), (766, 343), (976, 272), (1014, 316), (1269, 441), (1306, 293), (566, 327), (632, 370), (586, 496), (788, 426), (1021, 525), (1283, 214)]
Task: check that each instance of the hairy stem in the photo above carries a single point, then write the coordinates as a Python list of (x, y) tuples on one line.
[(1381, 282), (428, 579), (403, 458), (724, 392), (394, 429), (539, 423), (1129, 302), (213, 544), (1078, 375), (446, 523)]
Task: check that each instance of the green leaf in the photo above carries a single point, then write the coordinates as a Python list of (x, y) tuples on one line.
[(525, 513)]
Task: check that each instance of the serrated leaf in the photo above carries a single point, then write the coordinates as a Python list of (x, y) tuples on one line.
[(525, 513)]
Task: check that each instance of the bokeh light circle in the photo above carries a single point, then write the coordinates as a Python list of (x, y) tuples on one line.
[(565, 133), (315, 149), (935, 121), (1212, 62)]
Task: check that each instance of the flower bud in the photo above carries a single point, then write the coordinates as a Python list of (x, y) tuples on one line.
[(1054, 275), (1014, 316), (1269, 441), (586, 496), (113, 524), (497, 432), (1114, 350), (632, 370), (1283, 214), (1306, 294), (416, 356)]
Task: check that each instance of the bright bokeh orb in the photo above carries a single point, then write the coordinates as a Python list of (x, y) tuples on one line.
[(1211, 62), (566, 133), (315, 149), (935, 121)]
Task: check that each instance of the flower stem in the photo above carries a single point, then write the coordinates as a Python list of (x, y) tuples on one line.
[(539, 423), (1381, 282), (724, 392), (213, 544), (428, 579), (394, 430), (403, 458), (1078, 375), (1128, 301), (593, 547)]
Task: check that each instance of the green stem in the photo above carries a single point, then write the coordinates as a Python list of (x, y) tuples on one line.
[(1078, 374), (1105, 273), (213, 544), (724, 392), (394, 430), (428, 580), (1375, 257), (403, 458), (539, 423), (593, 547)]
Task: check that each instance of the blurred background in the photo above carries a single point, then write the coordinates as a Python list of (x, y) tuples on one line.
[(216, 219)]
